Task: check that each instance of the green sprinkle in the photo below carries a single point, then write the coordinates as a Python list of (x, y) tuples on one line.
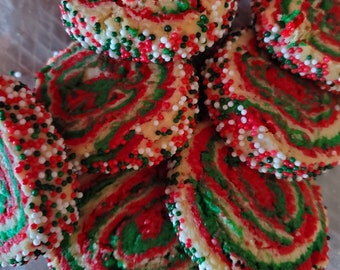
[(167, 28), (2, 115), (290, 17), (182, 5), (133, 32)]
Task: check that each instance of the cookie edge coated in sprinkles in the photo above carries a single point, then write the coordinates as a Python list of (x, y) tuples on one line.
[(34, 146), (120, 40)]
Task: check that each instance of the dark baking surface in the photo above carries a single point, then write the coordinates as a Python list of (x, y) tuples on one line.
[(31, 31)]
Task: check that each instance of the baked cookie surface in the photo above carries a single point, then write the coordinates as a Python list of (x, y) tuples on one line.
[(304, 36), (117, 115), (123, 224), (232, 217), (156, 31), (275, 121), (37, 194)]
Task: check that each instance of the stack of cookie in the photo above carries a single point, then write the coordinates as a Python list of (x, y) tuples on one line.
[(161, 140)]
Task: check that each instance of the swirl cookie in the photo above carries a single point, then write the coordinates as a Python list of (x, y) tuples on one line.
[(37, 186), (229, 216), (275, 121), (123, 224), (304, 36), (156, 31), (117, 115)]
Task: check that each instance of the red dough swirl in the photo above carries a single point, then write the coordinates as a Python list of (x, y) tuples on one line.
[(37, 185)]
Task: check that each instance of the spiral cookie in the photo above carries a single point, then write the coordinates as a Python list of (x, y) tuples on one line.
[(123, 224), (275, 121), (37, 188), (229, 216), (304, 36), (117, 115), (155, 31)]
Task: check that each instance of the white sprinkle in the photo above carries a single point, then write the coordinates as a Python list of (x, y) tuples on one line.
[(163, 40), (219, 127), (41, 160), (17, 74), (262, 128), (257, 145), (216, 105), (297, 163), (22, 103), (275, 29), (175, 108), (231, 122), (263, 170), (306, 62), (22, 122), (281, 156), (278, 175), (138, 129), (242, 158)]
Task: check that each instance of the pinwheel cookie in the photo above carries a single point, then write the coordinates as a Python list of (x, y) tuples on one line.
[(274, 120), (156, 31), (304, 36), (37, 186), (229, 216), (123, 224), (117, 115)]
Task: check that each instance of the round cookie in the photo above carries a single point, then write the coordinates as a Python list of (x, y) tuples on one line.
[(37, 185), (156, 31), (275, 121), (123, 224), (304, 36), (229, 216), (117, 115)]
